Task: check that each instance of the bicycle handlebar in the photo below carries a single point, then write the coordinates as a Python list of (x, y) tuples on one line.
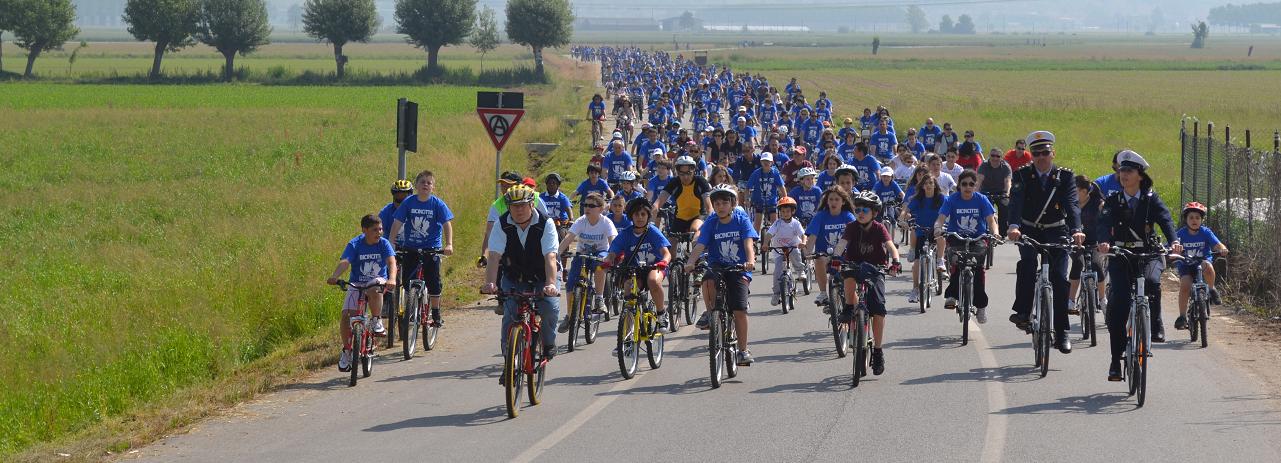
[(344, 285), (1042, 247)]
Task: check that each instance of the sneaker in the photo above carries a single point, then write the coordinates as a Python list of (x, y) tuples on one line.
[(563, 327), (776, 299), (913, 298), (950, 304), (980, 315), (821, 299), (663, 323), (379, 330), (1158, 335), (435, 317), (745, 358), (1114, 371), (344, 361), (1214, 297), (847, 314), (1181, 323), (1020, 321), (1071, 308), (878, 361), (704, 320), (597, 303), (942, 266)]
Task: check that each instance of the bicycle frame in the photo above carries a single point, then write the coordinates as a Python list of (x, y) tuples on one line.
[(722, 342), (526, 323), (967, 261)]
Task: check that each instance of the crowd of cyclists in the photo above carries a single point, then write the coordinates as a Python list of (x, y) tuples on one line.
[(735, 166)]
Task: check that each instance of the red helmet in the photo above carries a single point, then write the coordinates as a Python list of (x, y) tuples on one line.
[(1195, 206)]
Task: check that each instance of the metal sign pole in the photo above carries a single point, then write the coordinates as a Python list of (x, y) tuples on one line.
[(498, 163), (400, 122)]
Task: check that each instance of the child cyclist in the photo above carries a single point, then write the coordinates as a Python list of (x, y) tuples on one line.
[(643, 244), (766, 186), (592, 184), (786, 232), (824, 231), (431, 227), (923, 209), (593, 232), (807, 195), (967, 213), (1198, 241), (557, 203), (729, 240), (373, 262), (867, 243)]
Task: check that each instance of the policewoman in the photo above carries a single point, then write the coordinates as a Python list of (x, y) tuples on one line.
[(1129, 219), (1043, 206)]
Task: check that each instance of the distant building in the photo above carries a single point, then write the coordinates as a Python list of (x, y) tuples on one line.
[(1273, 29), (616, 24)]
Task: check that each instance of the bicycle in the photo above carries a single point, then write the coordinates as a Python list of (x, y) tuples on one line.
[(418, 318), (859, 330), (762, 246), (968, 257), (928, 277), (638, 323), (1087, 300), (889, 217), (995, 199), (524, 369), (1138, 349), (835, 299), (580, 298), (1041, 318), (1198, 301), (598, 126), (679, 297), (362, 337), (787, 301), (722, 343)]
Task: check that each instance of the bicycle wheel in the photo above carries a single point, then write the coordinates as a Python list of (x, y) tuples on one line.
[(689, 299), (764, 252), (1047, 300), (967, 301), (591, 321), (1203, 320), (805, 279), (716, 349), (1092, 306), (628, 351), (534, 383), (514, 369), (839, 330), (409, 327), (575, 299), (357, 340), (923, 293), (654, 349), (674, 293), (1142, 360), (860, 349), (430, 328), (731, 346), (367, 360), (390, 301), (789, 295)]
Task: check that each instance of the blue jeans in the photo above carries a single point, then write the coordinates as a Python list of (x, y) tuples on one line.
[(548, 308)]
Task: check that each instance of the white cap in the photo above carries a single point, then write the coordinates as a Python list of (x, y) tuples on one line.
[(887, 170), (618, 135), (1039, 138), (742, 108), (709, 129), (782, 129), (742, 119), (766, 156), (645, 125), (656, 152), (1129, 158)]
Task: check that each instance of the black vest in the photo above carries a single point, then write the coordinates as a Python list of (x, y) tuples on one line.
[(524, 263)]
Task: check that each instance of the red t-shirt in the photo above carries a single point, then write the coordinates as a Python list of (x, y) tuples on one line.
[(866, 245), (1017, 158), (970, 162), (789, 171)]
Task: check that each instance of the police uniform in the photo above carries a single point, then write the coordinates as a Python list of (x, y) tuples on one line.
[(1044, 208), (1130, 222)]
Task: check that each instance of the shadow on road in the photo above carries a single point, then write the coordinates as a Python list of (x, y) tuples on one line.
[(484, 416), (611, 377), (1093, 404), (692, 386), (339, 382), (812, 336), (1005, 374), (481, 372), (804, 356), (836, 383), (930, 343)]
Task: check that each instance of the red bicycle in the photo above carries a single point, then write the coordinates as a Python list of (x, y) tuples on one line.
[(523, 365), (362, 338)]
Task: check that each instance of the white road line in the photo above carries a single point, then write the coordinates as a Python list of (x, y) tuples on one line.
[(565, 430), (994, 440)]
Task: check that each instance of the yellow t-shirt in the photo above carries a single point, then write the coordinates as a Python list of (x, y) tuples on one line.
[(688, 204)]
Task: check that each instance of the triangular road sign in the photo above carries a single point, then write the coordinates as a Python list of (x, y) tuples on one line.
[(499, 123)]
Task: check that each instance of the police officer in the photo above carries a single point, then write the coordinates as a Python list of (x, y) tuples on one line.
[(1129, 219), (1044, 207)]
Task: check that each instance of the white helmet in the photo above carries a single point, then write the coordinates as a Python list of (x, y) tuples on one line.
[(724, 189), (806, 172), (685, 161), (627, 176)]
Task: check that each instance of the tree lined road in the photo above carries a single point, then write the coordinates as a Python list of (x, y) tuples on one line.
[(937, 401)]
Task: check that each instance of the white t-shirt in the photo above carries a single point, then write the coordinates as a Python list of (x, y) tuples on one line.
[(786, 233), (902, 172), (591, 236), (954, 171), (947, 184)]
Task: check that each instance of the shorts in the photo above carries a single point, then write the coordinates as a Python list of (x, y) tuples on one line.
[(681, 226), (921, 240), (352, 301), (875, 297), (1078, 266), (431, 271), (1188, 270), (735, 291)]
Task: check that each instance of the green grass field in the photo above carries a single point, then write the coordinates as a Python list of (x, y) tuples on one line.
[(166, 236)]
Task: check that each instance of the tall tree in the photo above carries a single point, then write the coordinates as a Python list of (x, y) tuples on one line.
[(945, 25), (339, 22), (431, 24), (539, 24), (964, 25), (916, 18), (1199, 33), (45, 25), (233, 26), (485, 36), (169, 23)]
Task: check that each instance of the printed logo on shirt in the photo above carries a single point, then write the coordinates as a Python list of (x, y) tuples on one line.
[(968, 223), (370, 270), (729, 249), (645, 255), (421, 226)]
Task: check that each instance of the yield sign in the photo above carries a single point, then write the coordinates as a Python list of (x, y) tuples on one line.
[(499, 123)]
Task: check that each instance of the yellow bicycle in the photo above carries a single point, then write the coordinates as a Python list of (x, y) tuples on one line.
[(638, 323)]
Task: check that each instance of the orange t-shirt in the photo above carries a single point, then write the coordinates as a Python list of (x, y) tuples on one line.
[(1017, 158)]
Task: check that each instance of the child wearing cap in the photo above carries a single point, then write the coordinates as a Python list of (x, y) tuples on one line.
[(592, 184), (766, 185), (1198, 242), (887, 189), (786, 232)]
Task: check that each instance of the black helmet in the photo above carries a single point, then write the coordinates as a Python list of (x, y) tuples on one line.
[(637, 204), (554, 177)]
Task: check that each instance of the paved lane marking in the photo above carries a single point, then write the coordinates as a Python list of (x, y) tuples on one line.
[(994, 440)]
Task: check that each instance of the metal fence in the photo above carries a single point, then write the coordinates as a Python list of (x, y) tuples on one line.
[(1240, 181)]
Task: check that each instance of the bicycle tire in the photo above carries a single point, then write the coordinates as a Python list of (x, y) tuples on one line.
[(575, 298), (1047, 300), (764, 252), (591, 321), (789, 295), (409, 338), (654, 350), (628, 350), (967, 301), (513, 369), (805, 282), (923, 293), (860, 351), (431, 331), (674, 293), (716, 349), (937, 282), (1142, 362), (534, 383), (688, 301), (367, 360), (390, 302), (731, 346), (1092, 305), (839, 330), (357, 340), (1202, 322)]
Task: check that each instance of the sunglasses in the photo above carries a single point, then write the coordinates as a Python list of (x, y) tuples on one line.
[(968, 183), (862, 210), (1041, 153), (684, 172)]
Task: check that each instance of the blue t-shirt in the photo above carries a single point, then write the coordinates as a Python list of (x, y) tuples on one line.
[(724, 241), (765, 186), (810, 130), (587, 187), (558, 205), (1199, 244), (923, 211), (387, 215), (884, 143), (597, 109), (621, 221), (746, 132), (827, 228), (646, 146), (845, 151), (930, 137), (888, 193), (806, 201), (825, 180), (616, 164), (368, 261), (1108, 184), (868, 171), (917, 148), (423, 221), (629, 196), (649, 251), (967, 217)]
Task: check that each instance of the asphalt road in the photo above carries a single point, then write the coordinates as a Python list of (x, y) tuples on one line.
[(936, 401)]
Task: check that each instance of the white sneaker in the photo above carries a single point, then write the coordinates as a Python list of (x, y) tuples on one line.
[(378, 326), (913, 298), (980, 315), (776, 299), (821, 299), (942, 265), (344, 361), (909, 255)]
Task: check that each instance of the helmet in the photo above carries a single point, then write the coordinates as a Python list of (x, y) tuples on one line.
[(867, 198), (849, 120), (782, 129), (627, 176), (676, 123), (685, 161), (806, 172), (786, 201), (554, 177), (724, 190), (1195, 206), (844, 168), (637, 204), (402, 186), (519, 194)]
